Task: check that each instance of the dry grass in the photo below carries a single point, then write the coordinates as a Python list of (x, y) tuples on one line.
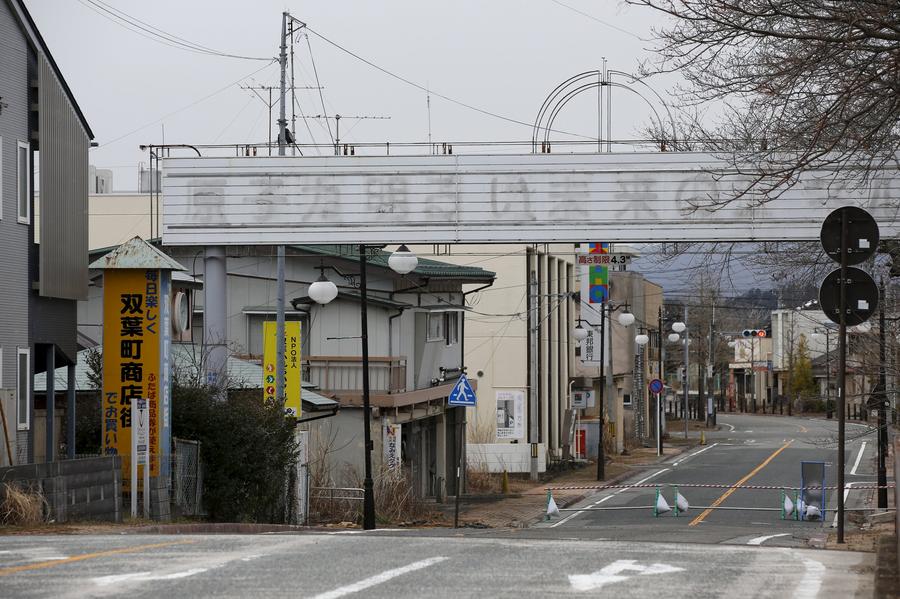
[(21, 506)]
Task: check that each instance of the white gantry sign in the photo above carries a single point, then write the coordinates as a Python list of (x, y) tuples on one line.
[(615, 572), (530, 198)]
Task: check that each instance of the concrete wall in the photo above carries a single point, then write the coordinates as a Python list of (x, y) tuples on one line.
[(88, 489), (511, 457)]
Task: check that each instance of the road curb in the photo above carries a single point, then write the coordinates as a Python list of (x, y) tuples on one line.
[(214, 528)]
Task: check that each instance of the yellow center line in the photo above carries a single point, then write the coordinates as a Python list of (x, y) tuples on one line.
[(85, 556), (734, 487)]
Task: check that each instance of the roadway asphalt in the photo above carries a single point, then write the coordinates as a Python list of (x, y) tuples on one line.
[(329, 566), (758, 450)]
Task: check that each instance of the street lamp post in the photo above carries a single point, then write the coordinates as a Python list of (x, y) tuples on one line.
[(323, 291), (681, 327)]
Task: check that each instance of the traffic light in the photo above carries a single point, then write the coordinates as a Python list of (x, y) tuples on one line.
[(755, 333)]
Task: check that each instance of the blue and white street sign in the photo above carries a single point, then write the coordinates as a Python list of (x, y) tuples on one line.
[(656, 386), (462, 394)]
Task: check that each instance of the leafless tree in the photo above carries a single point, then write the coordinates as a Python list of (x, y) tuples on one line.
[(802, 85)]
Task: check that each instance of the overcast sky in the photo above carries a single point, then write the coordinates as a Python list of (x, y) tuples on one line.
[(503, 56)]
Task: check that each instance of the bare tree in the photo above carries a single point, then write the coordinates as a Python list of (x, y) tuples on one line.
[(803, 85)]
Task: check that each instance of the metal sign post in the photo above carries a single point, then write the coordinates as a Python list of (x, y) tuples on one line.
[(848, 296), (656, 386), (140, 453)]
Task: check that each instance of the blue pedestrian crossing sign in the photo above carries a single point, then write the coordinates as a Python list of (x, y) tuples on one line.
[(462, 394)]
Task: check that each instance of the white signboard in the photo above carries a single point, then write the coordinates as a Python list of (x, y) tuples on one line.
[(392, 437), (525, 198), (583, 399), (510, 414)]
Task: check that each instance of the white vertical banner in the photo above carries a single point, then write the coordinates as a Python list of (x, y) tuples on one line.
[(302, 495), (392, 438), (140, 452), (510, 414)]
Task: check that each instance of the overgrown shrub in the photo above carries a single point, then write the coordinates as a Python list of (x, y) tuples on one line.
[(21, 505), (247, 449)]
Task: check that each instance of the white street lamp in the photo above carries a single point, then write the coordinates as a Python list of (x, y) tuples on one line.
[(322, 290), (678, 327), (642, 340), (626, 319), (732, 343), (674, 337), (580, 333), (403, 261)]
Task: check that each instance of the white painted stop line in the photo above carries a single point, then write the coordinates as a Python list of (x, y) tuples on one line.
[(379, 578)]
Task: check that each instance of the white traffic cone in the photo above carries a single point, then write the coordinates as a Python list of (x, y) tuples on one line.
[(681, 502)]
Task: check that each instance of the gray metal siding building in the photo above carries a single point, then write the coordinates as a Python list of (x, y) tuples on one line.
[(40, 122)]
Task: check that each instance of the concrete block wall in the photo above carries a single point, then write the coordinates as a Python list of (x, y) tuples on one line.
[(86, 489)]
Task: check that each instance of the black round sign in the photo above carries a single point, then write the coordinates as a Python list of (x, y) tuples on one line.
[(862, 296), (862, 234)]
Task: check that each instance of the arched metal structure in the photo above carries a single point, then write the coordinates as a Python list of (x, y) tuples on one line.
[(563, 93)]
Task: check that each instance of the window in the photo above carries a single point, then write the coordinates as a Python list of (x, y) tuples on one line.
[(451, 326), (435, 329), (23, 179), (23, 390)]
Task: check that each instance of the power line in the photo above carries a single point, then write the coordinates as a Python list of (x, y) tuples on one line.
[(601, 21), (427, 90), (191, 105), (156, 34)]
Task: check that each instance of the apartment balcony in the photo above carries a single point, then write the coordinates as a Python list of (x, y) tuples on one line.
[(343, 374)]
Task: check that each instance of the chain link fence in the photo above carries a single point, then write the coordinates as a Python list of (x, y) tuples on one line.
[(187, 475)]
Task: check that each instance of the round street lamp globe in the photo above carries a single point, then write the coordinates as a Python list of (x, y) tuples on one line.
[(626, 319), (580, 333), (678, 327), (732, 343), (322, 290), (673, 337), (642, 340), (403, 261)]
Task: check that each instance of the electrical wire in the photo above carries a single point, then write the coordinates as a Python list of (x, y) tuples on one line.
[(601, 21), (187, 106), (156, 34), (319, 86), (428, 90)]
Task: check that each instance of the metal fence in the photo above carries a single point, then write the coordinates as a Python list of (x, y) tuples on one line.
[(187, 477)]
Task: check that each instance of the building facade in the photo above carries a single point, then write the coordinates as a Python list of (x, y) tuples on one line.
[(44, 141)]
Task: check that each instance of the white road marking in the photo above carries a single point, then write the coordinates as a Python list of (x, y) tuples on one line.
[(809, 585), (613, 573), (730, 426), (696, 453), (862, 449), (763, 539), (145, 576), (379, 578), (610, 496)]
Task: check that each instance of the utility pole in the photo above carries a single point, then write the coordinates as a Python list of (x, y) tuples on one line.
[(710, 360), (533, 383), (882, 398), (270, 104), (601, 457), (660, 413), (279, 262), (687, 370)]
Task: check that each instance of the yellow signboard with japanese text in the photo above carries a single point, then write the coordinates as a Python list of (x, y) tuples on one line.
[(292, 365), (132, 329)]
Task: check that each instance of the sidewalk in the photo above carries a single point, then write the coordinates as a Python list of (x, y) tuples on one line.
[(526, 503)]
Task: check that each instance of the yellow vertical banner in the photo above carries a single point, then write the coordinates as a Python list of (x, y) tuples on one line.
[(292, 365), (131, 359)]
